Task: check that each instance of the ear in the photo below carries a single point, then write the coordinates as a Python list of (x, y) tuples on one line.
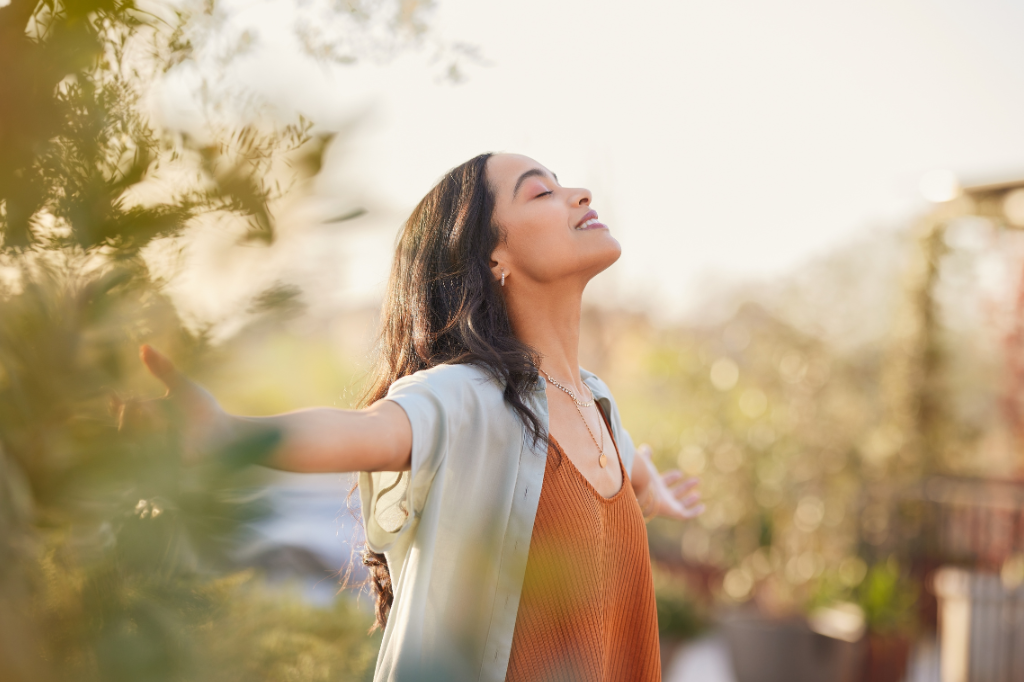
[(499, 261)]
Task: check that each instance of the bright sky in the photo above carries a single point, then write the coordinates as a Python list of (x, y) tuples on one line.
[(722, 140)]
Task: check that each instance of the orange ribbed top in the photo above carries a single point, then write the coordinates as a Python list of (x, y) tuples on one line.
[(587, 610)]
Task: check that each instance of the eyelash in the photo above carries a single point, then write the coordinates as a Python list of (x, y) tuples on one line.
[(544, 194)]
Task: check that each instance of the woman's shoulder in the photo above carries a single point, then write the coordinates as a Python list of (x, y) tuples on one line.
[(594, 382), (450, 379)]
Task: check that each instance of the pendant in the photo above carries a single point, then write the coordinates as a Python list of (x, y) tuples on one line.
[(602, 460)]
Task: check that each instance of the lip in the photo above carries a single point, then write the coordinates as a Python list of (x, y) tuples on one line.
[(589, 215)]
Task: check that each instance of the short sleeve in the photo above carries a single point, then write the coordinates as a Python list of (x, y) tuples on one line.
[(627, 450), (391, 500)]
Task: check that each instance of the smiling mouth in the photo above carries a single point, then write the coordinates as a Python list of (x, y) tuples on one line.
[(588, 224)]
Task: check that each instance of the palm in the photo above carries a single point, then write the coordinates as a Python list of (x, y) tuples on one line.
[(675, 495)]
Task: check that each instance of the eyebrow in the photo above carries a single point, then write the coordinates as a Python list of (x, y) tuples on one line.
[(529, 174)]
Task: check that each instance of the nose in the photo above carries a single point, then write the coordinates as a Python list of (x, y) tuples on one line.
[(581, 197)]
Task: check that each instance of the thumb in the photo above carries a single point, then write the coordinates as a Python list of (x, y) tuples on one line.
[(160, 367), (645, 451)]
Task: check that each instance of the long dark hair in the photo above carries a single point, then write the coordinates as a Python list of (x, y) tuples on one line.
[(443, 306)]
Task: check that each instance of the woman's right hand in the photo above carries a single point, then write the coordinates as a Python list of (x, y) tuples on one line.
[(204, 423), (310, 440)]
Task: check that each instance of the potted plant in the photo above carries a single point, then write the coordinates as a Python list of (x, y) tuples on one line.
[(889, 600)]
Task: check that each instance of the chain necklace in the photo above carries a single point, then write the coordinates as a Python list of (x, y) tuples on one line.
[(602, 459), (568, 392)]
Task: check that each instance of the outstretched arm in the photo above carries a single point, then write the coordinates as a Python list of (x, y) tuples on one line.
[(670, 494), (314, 440), (327, 440)]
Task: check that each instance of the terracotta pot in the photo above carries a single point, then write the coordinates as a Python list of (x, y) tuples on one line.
[(887, 657)]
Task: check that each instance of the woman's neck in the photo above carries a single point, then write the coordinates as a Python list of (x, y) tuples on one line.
[(549, 323)]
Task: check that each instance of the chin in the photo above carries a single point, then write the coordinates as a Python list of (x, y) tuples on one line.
[(614, 249), (606, 256)]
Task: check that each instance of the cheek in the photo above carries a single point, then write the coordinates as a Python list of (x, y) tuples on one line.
[(542, 250)]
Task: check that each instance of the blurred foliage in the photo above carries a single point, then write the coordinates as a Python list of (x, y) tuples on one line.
[(80, 164), (110, 549), (680, 615), (889, 598), (164, 627), (887, 593), (806, 443), (772, 421)]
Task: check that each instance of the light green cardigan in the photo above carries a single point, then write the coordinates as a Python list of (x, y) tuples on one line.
[(456, 528)]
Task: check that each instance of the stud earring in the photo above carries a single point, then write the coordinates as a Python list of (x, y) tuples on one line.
[(502, 278)]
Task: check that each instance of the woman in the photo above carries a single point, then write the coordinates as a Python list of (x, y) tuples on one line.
[(502, 499)]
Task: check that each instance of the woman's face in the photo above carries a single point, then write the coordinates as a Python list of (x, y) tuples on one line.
[(551, 233)]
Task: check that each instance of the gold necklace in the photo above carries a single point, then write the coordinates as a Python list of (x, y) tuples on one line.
[(568, 391), (602, 459)]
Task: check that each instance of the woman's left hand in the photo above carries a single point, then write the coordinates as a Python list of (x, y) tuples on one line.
[(670, 494)]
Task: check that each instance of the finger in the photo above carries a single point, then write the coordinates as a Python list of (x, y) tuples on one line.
[(688, 484), (670, 478), (693, 512), (690, 500), (687, 509), (678, 511), (645, 451), (160, 366)]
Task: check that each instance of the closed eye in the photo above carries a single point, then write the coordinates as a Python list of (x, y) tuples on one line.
[(544, 194)]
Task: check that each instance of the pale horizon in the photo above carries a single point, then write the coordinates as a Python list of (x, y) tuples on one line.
[(730, 142)]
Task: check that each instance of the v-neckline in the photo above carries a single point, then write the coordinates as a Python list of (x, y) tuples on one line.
[(595, 491), (618, 458)]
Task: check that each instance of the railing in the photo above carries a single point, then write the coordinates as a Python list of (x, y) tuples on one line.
[(977, 522), (981, 626), (971, 530)]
